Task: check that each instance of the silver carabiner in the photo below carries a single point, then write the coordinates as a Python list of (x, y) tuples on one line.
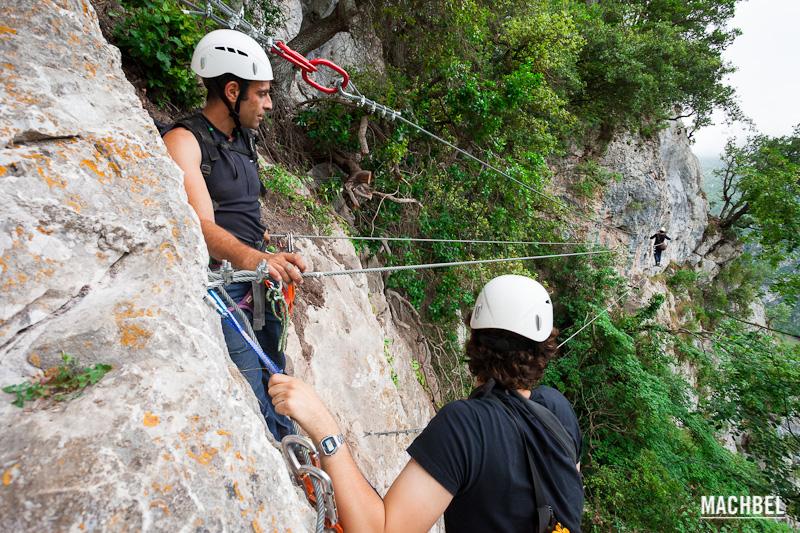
[(287, 448), (331, 512)]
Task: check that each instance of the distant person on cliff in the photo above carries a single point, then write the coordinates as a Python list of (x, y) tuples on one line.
[(216, 150), (660, 244), (478, 460)]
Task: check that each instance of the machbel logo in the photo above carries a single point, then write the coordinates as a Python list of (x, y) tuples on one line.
[(742, 507)]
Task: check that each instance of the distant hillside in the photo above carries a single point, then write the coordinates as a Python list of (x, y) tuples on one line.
[(711, 183)]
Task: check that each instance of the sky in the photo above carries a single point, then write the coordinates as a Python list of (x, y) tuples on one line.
[(767, 56)]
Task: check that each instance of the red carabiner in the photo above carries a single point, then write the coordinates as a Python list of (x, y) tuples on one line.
[(296, 58), (334, 67)]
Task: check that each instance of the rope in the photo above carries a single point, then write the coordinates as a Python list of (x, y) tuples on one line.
[(417, 239), (598, 315), (374, 107), (394, 432), (217, 279), (281, 310), (319, 493), (424, 266)]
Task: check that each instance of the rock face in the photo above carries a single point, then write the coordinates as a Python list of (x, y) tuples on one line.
[(661, 185), (101, 257)]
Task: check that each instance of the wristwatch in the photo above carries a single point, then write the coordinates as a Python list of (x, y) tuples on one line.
[(331, 444)]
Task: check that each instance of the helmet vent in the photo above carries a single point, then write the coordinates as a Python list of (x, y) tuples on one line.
[(255, 69), (231, 50), (538, 323)]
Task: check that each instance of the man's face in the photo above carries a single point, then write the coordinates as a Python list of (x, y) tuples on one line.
[(257, 103)]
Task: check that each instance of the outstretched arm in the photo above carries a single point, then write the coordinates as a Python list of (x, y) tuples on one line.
[(414, 501), (185, 150)]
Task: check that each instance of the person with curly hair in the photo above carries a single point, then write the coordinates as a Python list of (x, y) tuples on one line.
[(505, 459)]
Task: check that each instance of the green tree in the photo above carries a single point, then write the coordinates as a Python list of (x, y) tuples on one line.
[(653, 59), (761, 199)]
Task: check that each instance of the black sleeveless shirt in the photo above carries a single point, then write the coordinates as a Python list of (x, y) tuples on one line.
[(234, 187)]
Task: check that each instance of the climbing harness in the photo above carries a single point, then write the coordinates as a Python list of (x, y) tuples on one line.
[(308, 473)]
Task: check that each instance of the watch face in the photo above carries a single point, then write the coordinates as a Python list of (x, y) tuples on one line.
[(328, 445)]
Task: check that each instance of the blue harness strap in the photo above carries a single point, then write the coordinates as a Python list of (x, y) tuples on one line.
[(225, 313)]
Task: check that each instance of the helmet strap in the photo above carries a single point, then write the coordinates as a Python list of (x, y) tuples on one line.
[(233, 110)]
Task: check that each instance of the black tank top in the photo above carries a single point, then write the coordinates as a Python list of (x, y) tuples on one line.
[(235, 188)]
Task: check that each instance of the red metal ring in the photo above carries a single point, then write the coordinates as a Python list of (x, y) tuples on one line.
[(331, 65), (293, 57)]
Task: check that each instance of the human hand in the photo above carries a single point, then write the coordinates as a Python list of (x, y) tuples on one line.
[(286, 266), (296, 399)]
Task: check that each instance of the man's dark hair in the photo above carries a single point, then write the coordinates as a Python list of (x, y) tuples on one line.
[(514, 361), (216, 86)]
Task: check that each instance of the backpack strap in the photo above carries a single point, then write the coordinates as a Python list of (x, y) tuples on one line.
[(209, 151), (555, 427), (547, 519)]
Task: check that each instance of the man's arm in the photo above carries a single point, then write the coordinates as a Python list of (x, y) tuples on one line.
[(184, 149), (414, 501)]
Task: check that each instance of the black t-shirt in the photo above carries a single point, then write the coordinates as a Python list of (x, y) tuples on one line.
[(660, 237), (474, 450)]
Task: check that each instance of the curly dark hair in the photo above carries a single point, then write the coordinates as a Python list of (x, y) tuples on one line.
[(512, 360)]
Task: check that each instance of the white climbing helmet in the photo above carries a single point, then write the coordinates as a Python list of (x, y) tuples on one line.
[(514, 303), (662, 230), (231, 52)]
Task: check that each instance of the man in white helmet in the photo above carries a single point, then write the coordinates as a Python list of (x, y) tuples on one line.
[(478, 461), (216, 150)]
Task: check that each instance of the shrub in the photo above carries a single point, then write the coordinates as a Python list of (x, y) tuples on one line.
[(159, 38)]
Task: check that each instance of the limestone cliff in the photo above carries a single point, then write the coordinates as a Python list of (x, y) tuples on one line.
[(101, 257)]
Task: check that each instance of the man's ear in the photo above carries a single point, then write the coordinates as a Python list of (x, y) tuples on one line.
[(231, 91)]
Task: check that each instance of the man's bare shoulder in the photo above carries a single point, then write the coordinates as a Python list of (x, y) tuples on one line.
[(179, 136), (184, 149)]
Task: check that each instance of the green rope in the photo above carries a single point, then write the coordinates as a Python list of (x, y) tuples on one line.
[(276, 300)]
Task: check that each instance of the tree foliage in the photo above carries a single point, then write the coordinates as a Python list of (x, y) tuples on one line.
[(761, 199)]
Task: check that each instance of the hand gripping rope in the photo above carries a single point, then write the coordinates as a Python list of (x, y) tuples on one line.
[(317, 484)]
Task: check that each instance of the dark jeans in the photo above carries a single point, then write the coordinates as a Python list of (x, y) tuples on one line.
[(657, 252), (246, 359)]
